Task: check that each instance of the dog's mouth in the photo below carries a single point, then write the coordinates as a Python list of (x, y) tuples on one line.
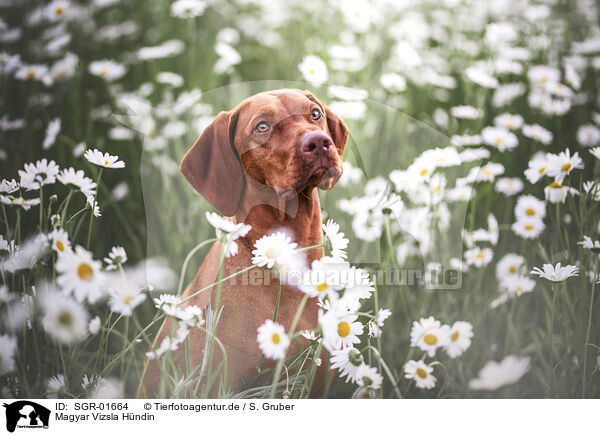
[(323, 177)]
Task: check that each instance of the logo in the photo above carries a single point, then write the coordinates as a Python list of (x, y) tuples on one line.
[(26, 414)]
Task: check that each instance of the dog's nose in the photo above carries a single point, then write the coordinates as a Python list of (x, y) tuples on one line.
[(316, 142)]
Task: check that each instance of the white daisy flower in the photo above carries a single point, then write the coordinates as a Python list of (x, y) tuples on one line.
[(340, 330), (368, 226), (510, 265), (8, 348), (124, 296), (274, 249), (528, 206), (528, 228), (495, 375), (103, 159), (509, 121), (26, 255), (110, 388), (347, 360), (537, 132), (57, 10), (488, 172), (595, 152), (272, 340), (336, 239), (25, 204), (561, 165), (308, 334), (92, 203), (556, 273), (499, 137), (80, 275), (116, 257), (537, 168), (381, 316), (51, 132), (374, 329), (9, 186), (421, 372), (588, 135), (313, 70), (55, 385), (588, 243), (557, 193), (324, 277), (191, 316), (94, 325), (167, 303), (509, 186), (500, 300), (517, 285), (466, 112), (188, 8), (60, 241), (428, 335), (228, 231), (459, 338), (77, 179), (65, 319), (38, 174), (478, 257), (368, 377), (107, 69)]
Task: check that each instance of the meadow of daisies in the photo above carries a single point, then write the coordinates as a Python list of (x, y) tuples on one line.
[(461, 242)]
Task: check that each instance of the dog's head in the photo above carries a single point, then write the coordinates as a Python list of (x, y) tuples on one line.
[(279, 142)]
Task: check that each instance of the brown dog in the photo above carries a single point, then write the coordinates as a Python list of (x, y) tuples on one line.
[(260, 163)]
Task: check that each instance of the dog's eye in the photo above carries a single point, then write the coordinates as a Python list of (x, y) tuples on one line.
[(261, 127), (315, 115)]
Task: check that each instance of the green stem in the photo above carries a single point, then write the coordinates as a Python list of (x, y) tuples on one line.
[(589, 326), (279, 366), (89, 237)]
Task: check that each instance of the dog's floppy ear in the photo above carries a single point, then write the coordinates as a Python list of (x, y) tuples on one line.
[(213, 167), (337, 128)]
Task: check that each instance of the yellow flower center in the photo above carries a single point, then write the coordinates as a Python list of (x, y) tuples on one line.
[(85, 272), (322, 286), (58, 11), (65, 319), (454, 336), (555, 185), (487, 171), (479, 255), (430, 339), (343, 329), (518, 289), (528, 227), (542, 170), (275, 338), (60, 246), (106, 162), (498, 140), (30, 73), (421, 373), (104, 71), (127, 300), (423, 172), (312, 71), (565, 167), (530, 212), (272, 252), (512, 269)]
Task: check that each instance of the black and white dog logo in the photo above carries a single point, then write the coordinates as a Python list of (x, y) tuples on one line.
[(26, 414)]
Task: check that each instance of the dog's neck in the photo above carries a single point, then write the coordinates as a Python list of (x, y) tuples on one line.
[(299, 216)]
